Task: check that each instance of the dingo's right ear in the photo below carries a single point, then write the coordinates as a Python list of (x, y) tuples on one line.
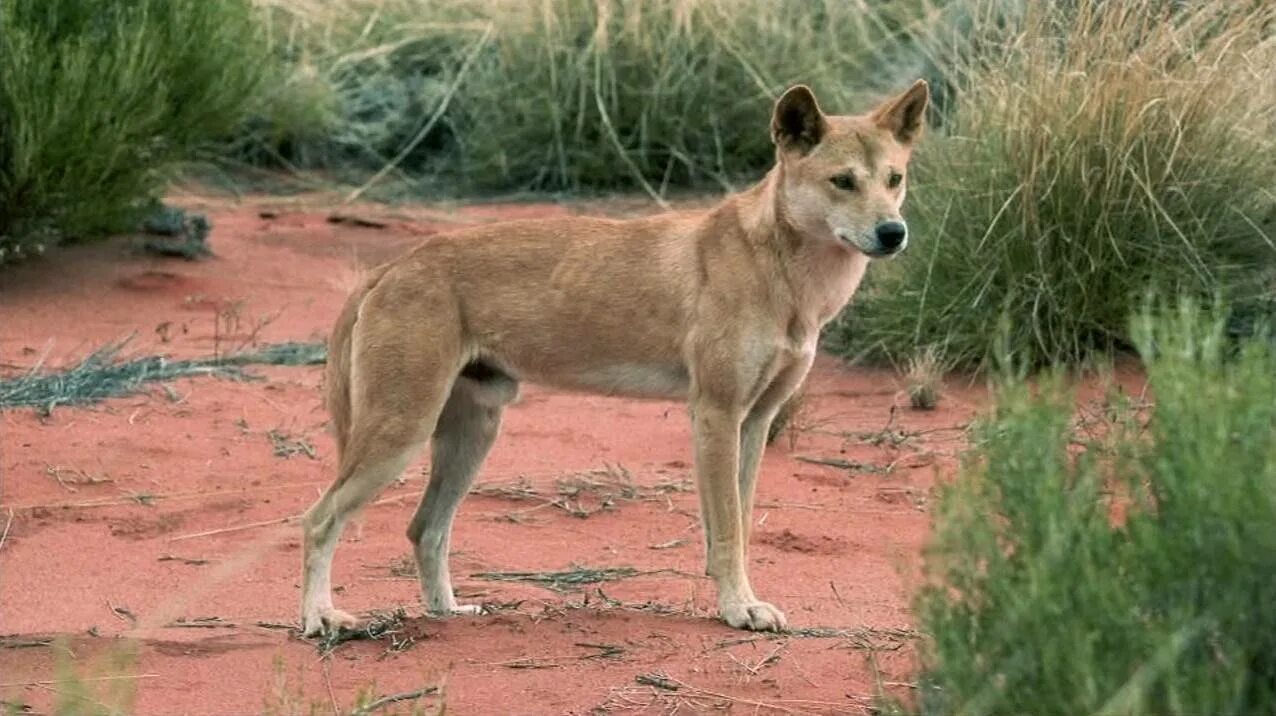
[(903, 115), (797, 124)]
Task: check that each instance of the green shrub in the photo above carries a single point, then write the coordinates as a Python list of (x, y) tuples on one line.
[(564, 94), (97, 98), (1095, 150), (1132, 574)]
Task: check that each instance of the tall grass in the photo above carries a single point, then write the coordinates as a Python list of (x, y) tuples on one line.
[(563, 94), (1095, 150), (97, 98), (1131, 575)]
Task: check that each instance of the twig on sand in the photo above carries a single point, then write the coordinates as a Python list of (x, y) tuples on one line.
[(332, 696), (356, 221), (122, 613), (195, 561), (393, 699), (5, 534), (604, 651), (842, 464), (237, 528), (869, 638), (200, 623), (657, 680), (168, 497), (667, 688), (114, 677), (286, 520), (767, 660)]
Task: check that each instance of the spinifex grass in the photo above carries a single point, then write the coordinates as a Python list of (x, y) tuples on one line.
[(100, 376), (1126, 574), (1096, 150)]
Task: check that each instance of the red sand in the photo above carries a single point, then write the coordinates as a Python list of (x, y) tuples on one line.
[(124, 513)]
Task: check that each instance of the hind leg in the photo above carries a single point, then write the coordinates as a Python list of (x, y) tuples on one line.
[(465, 432), (383, 458), (395, 405)]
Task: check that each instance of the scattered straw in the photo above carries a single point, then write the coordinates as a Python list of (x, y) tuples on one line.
[(286, 445), (379, 626), (564, 581), (584, 494)]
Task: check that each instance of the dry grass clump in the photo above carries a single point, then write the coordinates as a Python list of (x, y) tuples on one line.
[(561, 94), (923, 380), (1095, 151)]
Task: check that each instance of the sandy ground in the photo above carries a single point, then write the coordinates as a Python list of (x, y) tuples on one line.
[(163, 524)]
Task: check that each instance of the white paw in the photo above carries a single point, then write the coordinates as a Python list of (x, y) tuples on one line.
[(456, 610), (321, 622), (753, 615)]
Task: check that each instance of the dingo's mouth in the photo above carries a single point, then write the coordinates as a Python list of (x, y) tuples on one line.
[(873, 252)]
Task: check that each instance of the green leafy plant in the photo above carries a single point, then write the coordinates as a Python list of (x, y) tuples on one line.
[(1126, 569), (98, 99)]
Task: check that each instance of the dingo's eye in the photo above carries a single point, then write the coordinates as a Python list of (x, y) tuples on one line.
[(845, 182), (894, 180)]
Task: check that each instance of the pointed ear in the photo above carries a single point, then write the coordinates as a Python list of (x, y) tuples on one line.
[(903, 115), (797, 124)]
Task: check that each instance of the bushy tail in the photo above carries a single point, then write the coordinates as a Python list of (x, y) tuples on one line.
[(340, 361)]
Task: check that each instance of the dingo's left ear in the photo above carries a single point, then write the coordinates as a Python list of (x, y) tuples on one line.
[(902, 116), (797, 124)]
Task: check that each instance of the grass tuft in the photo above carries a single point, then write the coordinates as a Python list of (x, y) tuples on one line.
[(100, 375), (924, 379), (1094, 151)]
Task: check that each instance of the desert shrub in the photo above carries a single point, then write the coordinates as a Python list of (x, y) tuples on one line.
[(1094, 150), (1124, 569), (563, 94), (97, 98), (350, 82)]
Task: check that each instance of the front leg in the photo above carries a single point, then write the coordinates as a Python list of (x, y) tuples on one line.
[(752, 444), (717, 457), (753, 434)]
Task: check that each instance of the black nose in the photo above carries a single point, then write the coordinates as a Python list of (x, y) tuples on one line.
[(891, 234)]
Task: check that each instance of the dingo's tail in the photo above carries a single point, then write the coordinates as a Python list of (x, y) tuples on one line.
[(337, 371)]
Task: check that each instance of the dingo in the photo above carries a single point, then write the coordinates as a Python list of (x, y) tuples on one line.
[(719, 307)]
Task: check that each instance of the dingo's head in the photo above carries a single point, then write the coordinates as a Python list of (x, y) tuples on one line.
[(843, 178)]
